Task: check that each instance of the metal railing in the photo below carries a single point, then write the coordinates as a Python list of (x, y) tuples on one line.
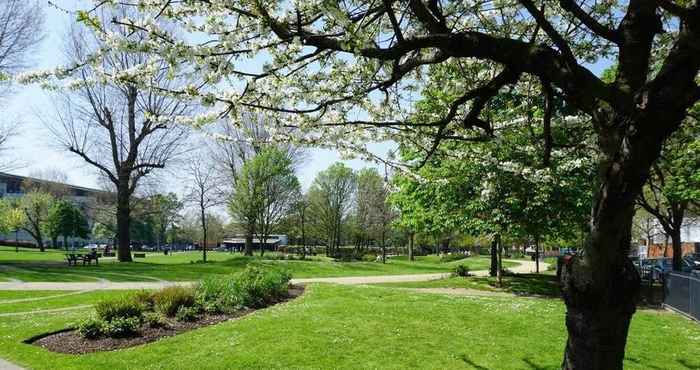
[(682, 293)]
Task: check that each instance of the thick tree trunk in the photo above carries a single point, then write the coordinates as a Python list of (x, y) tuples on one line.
[(677, 249), (597, 318), (411, 240), (600, 287), (494, 257), (123, 222), (248, 250)]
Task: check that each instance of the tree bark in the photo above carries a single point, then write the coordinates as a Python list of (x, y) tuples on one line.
[(123, 221), (494, 257), (411, 240), (677, 248), (600, 288), (597, 321), (248, 249)]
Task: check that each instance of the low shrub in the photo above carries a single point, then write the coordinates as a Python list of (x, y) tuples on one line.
[(145, 298), (187, 314), (218, 294), (258, 287), (155, 320), (461, 270), (121, 326), (168, 300), (252, 287), (119, 308), (90, 328)]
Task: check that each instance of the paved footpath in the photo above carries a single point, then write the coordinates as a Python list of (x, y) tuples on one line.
[(4, 365), (524, 266)]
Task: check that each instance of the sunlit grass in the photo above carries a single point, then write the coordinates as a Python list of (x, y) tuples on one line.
[(368, 327), (27, 265)]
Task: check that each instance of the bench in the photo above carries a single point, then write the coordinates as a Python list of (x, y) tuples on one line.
[(72, 259), (139, 255), (88, 258)]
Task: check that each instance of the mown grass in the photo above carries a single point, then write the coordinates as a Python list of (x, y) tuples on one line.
[(521, 284), (56, 300), (183, 266), (368, 327)]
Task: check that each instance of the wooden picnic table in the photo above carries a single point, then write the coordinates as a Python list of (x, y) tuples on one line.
[(73, 257)]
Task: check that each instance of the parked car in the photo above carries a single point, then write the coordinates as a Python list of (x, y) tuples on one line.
[(91, 246)]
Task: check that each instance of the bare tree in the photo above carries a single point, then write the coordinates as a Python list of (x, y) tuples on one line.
[(20, 33), (203, 192), (124, 131)]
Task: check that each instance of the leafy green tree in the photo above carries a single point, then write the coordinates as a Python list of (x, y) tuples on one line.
[(374, 213), (264, 193), (330, 197), (11, 219), (35, 205), (673, 188), (64, 219), (165, 210)]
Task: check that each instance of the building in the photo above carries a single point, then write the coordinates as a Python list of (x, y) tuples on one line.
[(237, 242), (660, 246), (14, 186)]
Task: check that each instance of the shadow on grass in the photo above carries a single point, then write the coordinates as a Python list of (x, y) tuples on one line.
[(688, 365), (532, 365), (472, 363), (526, 284), (647, 366)]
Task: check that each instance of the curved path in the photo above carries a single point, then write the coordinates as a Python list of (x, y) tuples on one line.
[(524, 267)]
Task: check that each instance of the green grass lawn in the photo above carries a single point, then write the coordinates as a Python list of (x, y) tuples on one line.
[(19, 302), (334, 326), (522, 284), (28, 265)]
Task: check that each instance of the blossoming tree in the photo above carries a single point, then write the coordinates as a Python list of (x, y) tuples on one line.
[(343, 73)]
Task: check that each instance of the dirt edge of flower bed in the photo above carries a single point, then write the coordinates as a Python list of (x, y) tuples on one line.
[(68, 340)]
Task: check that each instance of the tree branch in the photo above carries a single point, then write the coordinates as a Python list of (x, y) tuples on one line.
[(547, 27), (94, 163), (589, 21)]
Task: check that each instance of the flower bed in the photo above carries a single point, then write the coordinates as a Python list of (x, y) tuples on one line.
[(147, 316)]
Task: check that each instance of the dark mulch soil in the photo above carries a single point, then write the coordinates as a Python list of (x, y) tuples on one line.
[(69, 341)]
